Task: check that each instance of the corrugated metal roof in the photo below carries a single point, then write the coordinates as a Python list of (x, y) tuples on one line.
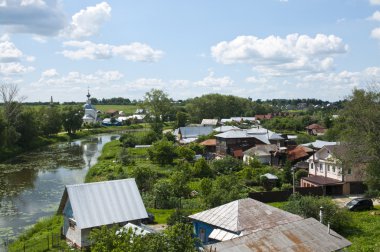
[(241, 133), (319, 144), (209, 122), (191, 132), (222, 235), (303, 235), (245, 215), (103, 203), (269, 176), (261, 150), (222, 129)]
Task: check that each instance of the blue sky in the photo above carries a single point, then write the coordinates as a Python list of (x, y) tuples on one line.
[(259, 49)]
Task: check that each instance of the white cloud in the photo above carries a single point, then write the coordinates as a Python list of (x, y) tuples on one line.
[(32, 16), (255, 80), (14, 68), (32, 2), (146, 83), (375, 33), (9, 52), (375, 16), (277, 56), (374, 2), (214, 82), (3, 3), (87, 22), (39, 39), (51, 78), (49, 73), (132, 52), (5, 37)]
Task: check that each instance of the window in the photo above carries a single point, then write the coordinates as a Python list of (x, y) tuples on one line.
[(202, 234), (72, 223), (312, 166), (328, 168), (321, 167), (333, 168), (349, 171)]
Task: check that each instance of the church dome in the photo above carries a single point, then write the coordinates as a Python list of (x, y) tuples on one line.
[(88, 106)]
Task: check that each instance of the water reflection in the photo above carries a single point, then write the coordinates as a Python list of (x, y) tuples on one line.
[(31, 185)]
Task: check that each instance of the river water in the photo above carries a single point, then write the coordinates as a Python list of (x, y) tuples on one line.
[(32, 184)]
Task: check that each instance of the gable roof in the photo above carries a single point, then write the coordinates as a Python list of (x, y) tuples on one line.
[(243, 134), (302, 235), (213, 122), (319, 144), (245, 215), (261, 150), (103, 203), (196, 131), (225, 128), (299, 152), (315, 126), (209, 142)]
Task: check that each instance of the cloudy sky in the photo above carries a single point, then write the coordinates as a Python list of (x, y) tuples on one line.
[(249, 48)]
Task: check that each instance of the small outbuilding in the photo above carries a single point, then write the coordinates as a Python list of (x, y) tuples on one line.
[(91, 205)]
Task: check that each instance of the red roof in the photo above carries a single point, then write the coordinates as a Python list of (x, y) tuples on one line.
[(299, 152), (209, 142), (315, 126)]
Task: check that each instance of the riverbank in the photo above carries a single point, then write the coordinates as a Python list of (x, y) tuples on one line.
[(9, 153)]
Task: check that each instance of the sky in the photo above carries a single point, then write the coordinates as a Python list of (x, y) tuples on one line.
[(264, 49)]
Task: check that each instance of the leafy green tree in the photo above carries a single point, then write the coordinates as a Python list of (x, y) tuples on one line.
[(163, 193), (50, 120), (179, 184), (162, 152), (144, 176), (124, 157), (300, 174), (199, 149), (360, 124), (158, 106), (27, 126), (181, 119), (72, 119), (287, 175), (227, 165), (169, 136), (201, 169), (186, 153)]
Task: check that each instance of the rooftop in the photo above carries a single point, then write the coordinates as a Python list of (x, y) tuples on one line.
[(319, 180)]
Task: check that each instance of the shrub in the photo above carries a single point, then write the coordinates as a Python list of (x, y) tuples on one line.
[(227, 165)]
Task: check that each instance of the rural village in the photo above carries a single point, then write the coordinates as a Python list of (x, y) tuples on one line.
[(189, 126)]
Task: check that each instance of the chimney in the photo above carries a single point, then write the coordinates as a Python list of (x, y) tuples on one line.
[(321, 214)]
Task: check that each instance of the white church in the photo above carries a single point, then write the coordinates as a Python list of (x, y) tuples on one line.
[(90, 114)]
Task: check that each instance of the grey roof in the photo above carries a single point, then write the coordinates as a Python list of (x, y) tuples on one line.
[(103, 203), (245, 215), (261, 150), (303, 235), (193, 132), (209, 122), (269, 176), (319, 144), (222, 129), (241, 133)]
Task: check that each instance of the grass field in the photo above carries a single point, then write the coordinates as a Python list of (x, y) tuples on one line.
[(127, 109)]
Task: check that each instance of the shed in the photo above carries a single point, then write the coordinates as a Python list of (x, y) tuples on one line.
[(237, 218), (90, 205)]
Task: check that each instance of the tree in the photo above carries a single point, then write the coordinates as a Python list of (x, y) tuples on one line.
[(72, 119), (162, 152), (144, 176), (300, 174), (157, 104), (186, 153), (227, 165), (11, 102), (128, 140), (27, 126), (360, 123), (50, 120), (201, 169), (181, 119), (163, 193), (179, 184)]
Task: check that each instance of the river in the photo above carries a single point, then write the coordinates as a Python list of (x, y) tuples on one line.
[(32, 184)]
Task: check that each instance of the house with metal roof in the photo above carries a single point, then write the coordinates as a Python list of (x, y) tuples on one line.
[(327, 171), (307, 235), (238, 218), (191, 133), (227, 143), (265, 153), (90, 205)]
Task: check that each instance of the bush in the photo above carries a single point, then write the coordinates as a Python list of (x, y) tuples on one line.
[(162, 152), (201, 169), (227, 165), (186, 153), (178, 216), (128, 140), (309, 206)]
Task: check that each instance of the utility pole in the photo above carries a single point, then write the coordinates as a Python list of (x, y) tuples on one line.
[(294, 180)]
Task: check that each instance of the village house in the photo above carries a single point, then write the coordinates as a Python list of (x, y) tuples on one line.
[(191, 133), (91, 205), (327, 171), (265, 153), (225, 128), (315, 130), (235, 142)]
